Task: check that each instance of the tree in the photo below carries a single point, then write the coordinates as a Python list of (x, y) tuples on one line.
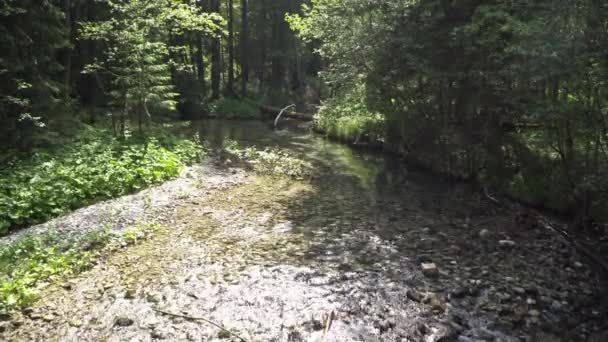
[(31, 87), (137, 57), (244, 47)]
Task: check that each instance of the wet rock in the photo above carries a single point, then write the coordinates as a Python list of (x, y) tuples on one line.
[(123, 321), (507, 244), (429, 269), (460, 292), (414, 295), (484, 233), (519, 290)]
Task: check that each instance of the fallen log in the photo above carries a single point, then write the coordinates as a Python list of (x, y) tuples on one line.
[(275, 110)]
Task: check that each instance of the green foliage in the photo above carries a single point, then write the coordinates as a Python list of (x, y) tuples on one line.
[(272, 161), (232, 108), (49, 184), (31, 34), (455, 78), (347, 118), (138, 56), (139, 232), (32, 259)]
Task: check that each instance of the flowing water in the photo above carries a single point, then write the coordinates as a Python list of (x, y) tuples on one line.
[(336, 256)]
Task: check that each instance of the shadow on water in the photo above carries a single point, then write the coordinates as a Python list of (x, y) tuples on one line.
[(370, 219)]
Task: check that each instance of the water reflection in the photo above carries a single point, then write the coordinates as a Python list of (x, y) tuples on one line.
[(375, 173)]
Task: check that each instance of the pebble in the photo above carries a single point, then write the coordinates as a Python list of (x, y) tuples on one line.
[(429, 269), (534, 313), (123, 321), (519, 290), (507, 244), (556, 305), (484, 233)]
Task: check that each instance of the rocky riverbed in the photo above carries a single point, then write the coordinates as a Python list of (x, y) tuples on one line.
[(357, 252)]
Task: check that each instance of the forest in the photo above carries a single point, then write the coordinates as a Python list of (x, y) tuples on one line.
[(304, 170)]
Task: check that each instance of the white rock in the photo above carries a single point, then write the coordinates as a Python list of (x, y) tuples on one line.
[(429, 269), (506, 243)]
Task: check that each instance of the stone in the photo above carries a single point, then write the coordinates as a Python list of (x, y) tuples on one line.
[(130, 293), (429, 269), (484, 233), (534, 313), (414, 295), (507, 244), (578, 264), (459, 292), (75, 323), (123, 321), (519, 290), (556, 305)]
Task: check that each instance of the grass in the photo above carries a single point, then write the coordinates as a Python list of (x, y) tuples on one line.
[(34, 260)]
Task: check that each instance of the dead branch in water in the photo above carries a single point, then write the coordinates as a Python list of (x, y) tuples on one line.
[(276, 121)]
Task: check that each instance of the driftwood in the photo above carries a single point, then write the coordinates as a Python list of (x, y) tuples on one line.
[(276, 121), (191, 318), (274, 110)]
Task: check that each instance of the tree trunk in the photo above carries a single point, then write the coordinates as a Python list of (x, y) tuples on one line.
[(230, 88), (244, 48), (68, 53), (216, 72)]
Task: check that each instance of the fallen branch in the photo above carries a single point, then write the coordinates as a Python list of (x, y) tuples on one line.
[(580, 247), (485, 192), (276, 121), (273, 110), (191, 318)]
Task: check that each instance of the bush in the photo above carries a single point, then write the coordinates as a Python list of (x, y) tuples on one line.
[(52, 183), (234, 109), (25, 263), (346, 117)]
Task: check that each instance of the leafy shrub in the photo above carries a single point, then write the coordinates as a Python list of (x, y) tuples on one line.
[(33, 259), (139, 231), (234, 109), (347, 118), (48, 184), (272, 161), (25, 263)]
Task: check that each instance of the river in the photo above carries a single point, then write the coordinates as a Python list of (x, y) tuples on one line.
[(334, 256)]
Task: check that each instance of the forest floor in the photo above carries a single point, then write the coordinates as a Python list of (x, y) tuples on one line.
[(246, 256)]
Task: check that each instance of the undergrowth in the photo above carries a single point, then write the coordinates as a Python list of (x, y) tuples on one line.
[(347, 118), (272, 161), (33, 260), (231, 108), (50, 183)]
